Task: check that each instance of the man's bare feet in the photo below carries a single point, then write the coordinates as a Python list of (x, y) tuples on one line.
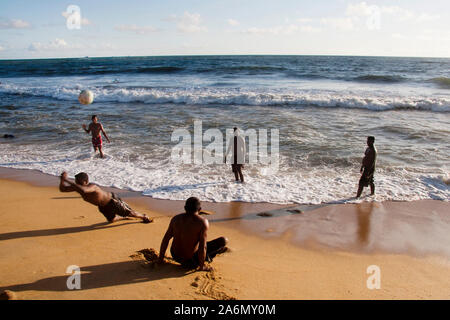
[(118, 219), (146, 219), (205, 268)]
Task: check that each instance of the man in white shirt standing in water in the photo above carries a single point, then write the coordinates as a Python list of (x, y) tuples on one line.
[(237, 144)]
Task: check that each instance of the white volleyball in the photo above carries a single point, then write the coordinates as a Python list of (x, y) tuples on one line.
[(86, 97)]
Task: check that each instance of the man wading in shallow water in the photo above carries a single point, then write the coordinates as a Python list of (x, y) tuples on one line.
[(368, 167), (96, 129), (189, 232), (237, 144), (108, 203)]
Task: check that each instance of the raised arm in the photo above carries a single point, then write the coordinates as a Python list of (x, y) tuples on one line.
[(62, 186), (202, 247), (73, 186), (165, 242), (88, 129), (104, 133)]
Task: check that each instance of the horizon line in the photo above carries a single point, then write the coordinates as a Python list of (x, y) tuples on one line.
[(221, 55)]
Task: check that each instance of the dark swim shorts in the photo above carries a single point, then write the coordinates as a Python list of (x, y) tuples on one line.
[(115, 206), (213, 247), (366, 177), (236, 167)]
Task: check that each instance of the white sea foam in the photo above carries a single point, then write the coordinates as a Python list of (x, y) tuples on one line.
[(166, 180), (318, 166), (371, 100)]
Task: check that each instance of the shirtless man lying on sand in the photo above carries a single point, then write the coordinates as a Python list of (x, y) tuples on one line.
[(108, 203), (189, 232)]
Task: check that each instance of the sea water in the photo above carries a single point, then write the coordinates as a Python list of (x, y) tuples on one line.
[(323, 107)]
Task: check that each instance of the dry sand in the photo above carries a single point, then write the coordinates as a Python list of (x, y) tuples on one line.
[(43, 231)]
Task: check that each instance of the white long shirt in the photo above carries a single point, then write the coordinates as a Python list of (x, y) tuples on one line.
[(240, 148)]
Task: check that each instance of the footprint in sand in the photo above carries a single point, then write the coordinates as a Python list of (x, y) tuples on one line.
[(147, 257), (207, 284)]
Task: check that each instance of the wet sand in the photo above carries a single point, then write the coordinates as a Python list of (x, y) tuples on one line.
[(314, 253)]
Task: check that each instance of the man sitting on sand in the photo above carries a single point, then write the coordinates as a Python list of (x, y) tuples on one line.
[(368, 167), (96, 128), (189, 232), (108, 203)]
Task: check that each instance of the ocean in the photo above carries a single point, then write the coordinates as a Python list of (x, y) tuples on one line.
[(323, 107)]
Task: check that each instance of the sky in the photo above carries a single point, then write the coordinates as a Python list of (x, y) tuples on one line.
[(59, 29)]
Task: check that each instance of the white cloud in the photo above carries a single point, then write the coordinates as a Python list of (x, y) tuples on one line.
[(282, 30), (358, 9), (338, 23), (398, 12), (1, 48), (304, 20), (14, 24), (308, 29), (398, 36), (188, 22), (274, 30), (62, 45), (233, 22), (136, 29), (84, 21), (362, 9), (425, 17), (361, 14), (56, 44)]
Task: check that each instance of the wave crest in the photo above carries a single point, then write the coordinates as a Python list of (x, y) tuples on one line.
[(380, 78), (442, 82), (236, 96)]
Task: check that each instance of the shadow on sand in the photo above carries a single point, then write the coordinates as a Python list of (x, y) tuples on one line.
[(64, 198), (58, 231), (105, 275)]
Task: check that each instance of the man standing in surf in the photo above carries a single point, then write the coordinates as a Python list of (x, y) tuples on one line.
[(368, 167), (96, 129), (237, 143)]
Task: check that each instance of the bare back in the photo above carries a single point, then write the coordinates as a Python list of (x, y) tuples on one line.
[(187, 230), (97, 196)]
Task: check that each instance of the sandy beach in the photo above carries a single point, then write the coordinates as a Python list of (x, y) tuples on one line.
[(43, 232), (313, 136)]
